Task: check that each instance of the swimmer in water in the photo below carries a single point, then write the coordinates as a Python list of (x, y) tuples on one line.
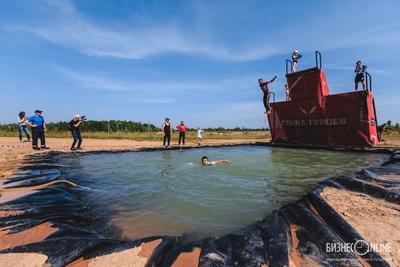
[(206, 162)]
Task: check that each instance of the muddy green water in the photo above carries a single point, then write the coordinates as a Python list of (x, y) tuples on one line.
[(170, 193)]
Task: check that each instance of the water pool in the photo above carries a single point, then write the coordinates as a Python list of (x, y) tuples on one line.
[(170, 193)]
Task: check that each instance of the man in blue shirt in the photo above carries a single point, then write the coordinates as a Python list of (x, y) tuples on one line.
[(360, 71), (38, 130)]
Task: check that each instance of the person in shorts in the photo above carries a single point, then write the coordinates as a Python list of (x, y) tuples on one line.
[(360, 71), (295, 60), (199, 135), (267, 94)]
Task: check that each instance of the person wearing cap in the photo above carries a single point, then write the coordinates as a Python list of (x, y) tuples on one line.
[(182, 132), (167, 132), (360, 71), (295, 59), (74, 126), (38, 130)]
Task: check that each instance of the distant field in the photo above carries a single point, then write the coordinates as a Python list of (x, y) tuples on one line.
[(154, 136), (391, 136)]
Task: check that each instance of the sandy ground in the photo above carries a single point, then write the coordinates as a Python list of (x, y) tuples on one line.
[(376, 220), (11, 154)]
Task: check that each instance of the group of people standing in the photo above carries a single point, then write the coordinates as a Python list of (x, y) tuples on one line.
[(360, 70), (182, 128), (38, 130)]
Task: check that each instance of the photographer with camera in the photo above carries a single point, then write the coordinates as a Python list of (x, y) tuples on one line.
[(74, 126)]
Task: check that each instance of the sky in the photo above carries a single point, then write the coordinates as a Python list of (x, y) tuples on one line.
[(197, 61)]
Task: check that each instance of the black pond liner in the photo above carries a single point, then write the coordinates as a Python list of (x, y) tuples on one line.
[(85, 230)]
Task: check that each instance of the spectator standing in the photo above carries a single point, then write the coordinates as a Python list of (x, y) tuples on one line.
[(182, 132), (38, 130), (167, 132), (75, 128), (199, 135), (23, 126)]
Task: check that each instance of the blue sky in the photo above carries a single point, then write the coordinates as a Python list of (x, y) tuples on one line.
[(198, 61)]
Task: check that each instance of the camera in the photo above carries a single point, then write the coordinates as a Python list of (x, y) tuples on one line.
[(83, 118)]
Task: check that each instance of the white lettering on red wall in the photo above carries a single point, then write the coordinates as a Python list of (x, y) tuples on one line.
[(315, 122)]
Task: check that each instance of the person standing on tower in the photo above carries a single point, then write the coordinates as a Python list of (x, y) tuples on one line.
[(295, 59)]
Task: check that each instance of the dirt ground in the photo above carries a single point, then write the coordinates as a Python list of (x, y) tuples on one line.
[(376, 220), (11, 154)]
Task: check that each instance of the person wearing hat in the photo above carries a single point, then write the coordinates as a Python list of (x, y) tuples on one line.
[(74, 126), (38, 130), (295, 59), (167, 132)]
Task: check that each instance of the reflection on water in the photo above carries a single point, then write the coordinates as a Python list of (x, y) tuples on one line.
[(170, 193)]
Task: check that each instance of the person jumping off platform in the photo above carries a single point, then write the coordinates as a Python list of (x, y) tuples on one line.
[(295, 59), (360, 71), (267, 94)]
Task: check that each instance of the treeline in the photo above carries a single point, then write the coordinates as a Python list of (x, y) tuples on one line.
[(95, 126)]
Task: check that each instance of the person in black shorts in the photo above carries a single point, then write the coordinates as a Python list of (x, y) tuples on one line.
[(360, 71), (295, 60), (267, 94), (167, 132)]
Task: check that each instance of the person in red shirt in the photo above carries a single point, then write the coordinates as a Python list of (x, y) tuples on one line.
[(267, 94), (182, 132)]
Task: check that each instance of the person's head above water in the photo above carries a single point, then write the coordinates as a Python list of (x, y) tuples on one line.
[(359, 62), (167, 119), (182, 123), (204, 160), (260, 80)]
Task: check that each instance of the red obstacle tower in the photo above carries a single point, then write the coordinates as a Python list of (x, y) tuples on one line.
[(313, 116)]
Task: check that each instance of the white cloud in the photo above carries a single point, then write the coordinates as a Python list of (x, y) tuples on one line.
[(101, 81), (65, 26)]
